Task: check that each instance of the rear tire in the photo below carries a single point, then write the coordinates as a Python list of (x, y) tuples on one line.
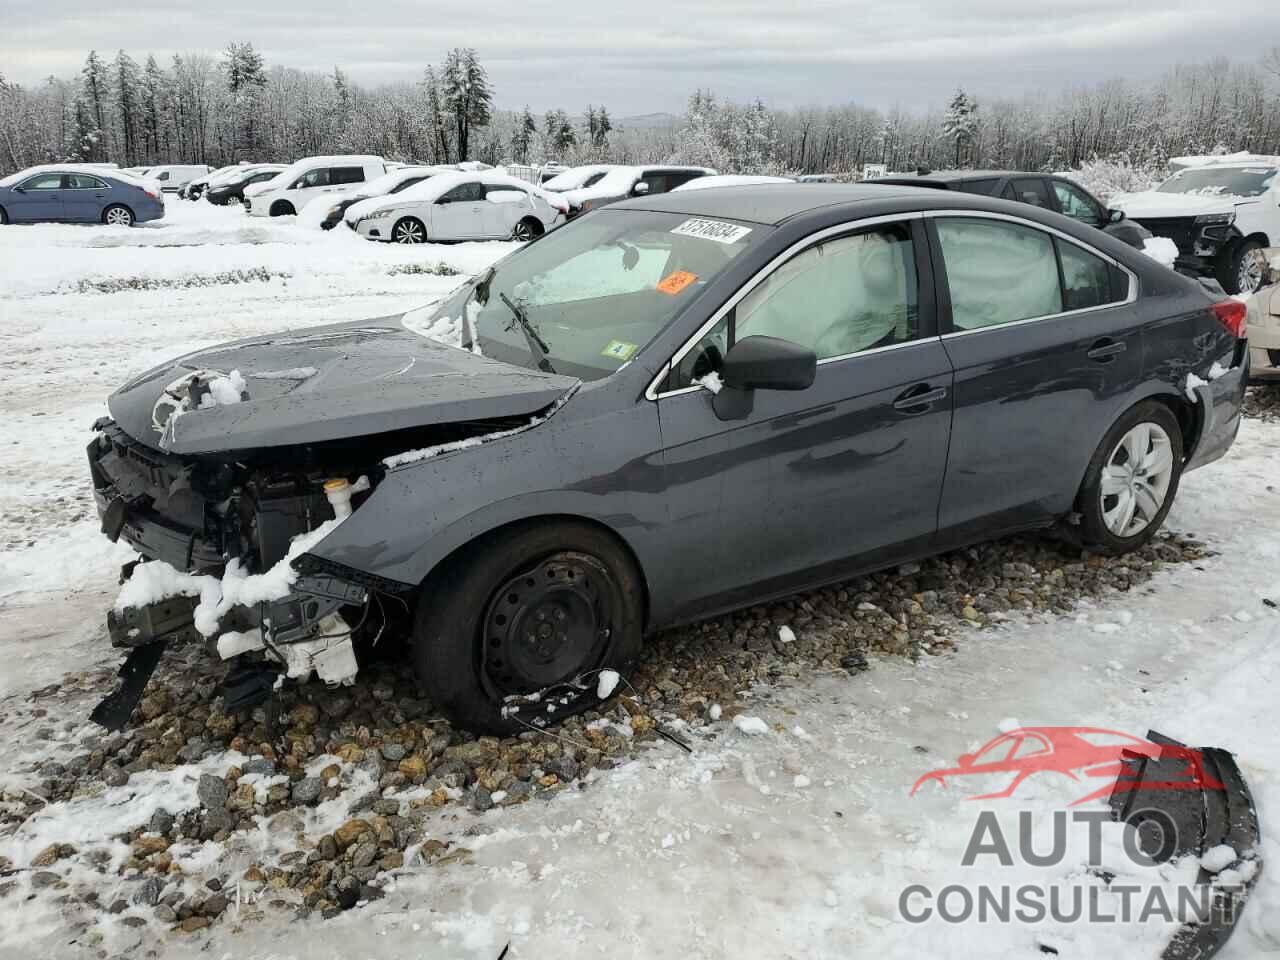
[(409, 230), (117, 215), (1242, 272), (1131, 481), (282, 208), (523, 610), (526, 230)]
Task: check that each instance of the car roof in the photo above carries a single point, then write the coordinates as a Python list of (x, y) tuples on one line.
[(952, 176), (769, 203)]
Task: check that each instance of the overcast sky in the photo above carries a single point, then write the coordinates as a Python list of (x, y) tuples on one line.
[(643, 56)]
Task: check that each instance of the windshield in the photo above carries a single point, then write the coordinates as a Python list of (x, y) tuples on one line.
[(595, 292), (574, 179), (1221, 181)]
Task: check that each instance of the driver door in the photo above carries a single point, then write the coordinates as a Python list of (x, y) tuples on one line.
[(846, 474), (459, 213), (37, 198)]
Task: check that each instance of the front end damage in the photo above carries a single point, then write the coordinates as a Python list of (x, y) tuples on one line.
[(217, 538)]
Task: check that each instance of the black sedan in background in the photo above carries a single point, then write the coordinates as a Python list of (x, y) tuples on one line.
[(231, 190), (674, 406), (1038, 189)]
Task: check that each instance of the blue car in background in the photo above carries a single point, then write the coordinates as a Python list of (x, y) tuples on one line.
[(78, 194)]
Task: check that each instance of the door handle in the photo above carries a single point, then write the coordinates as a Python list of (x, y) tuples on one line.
[(919, 397), (1105, 350)]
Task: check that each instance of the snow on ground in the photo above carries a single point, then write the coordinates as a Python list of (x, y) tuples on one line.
[(790, 836), (84, 307)]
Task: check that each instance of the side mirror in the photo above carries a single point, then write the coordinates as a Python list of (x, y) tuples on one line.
[(19, 190), (640, 189), (1115, 216), (761, 363)]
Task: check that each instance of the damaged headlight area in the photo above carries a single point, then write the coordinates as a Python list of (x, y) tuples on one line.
[(218, 538)]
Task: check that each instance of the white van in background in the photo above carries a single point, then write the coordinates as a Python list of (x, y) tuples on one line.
[(172, 177), (297, 185)]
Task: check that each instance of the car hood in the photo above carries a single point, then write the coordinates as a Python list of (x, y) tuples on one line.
[(1152, 203), (325, 383), (362, 208)]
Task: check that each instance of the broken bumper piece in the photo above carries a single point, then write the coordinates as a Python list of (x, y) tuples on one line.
[(301, 633), (1220, 813)]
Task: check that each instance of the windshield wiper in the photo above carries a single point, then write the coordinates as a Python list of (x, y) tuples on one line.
[(536, 344)]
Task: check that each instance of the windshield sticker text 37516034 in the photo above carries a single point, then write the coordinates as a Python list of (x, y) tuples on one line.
[(716, 230)]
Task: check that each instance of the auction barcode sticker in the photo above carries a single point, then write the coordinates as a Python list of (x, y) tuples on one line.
[(716, 230)]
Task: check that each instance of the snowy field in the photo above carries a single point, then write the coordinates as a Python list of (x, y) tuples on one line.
[(787, 838)]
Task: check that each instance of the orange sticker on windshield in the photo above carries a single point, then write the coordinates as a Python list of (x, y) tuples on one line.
[(673, 283)]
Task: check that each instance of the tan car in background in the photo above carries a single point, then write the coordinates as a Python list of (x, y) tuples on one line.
[(1264, 323)]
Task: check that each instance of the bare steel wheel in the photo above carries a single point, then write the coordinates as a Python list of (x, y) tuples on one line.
[(1132, 480), (409, 230), (1136, 479), (511, 631), (117, 215)]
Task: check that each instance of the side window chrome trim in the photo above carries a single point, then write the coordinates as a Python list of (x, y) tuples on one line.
[(851, 226), (1064, 237)]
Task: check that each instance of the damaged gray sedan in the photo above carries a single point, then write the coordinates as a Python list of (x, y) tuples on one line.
[(672, 407)]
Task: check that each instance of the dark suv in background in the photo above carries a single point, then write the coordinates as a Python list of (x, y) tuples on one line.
[(1038, 189)]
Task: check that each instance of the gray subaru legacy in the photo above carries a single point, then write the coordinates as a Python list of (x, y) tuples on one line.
[(669, 408)]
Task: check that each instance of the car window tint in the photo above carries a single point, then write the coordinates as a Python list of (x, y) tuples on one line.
[(657, 182), (1077, 204), (82, 181), (464, 192), (1086, 279), (594, 179), (986, 186), (997, 272), (314, 178), (501, 188), (339, 175), (163, 176), (43, 181), (1030, 190), (839, 297)]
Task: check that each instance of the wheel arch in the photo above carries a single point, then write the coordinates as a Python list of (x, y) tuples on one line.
[(539, 228), (1190, 421), (282, 208), (479, 540)]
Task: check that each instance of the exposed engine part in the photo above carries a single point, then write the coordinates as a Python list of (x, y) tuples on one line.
[(331, 655)]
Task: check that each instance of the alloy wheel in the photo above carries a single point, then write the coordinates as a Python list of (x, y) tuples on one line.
[(119, 217), (1249, 277), (1135, 481), (523, 231), (409, 231)]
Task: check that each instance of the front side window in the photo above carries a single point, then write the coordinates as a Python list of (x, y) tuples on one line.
[(163, 176), (82, 181), (313, 178), (464, 193), (997, 272), (1077, 204), (1028, 190), (657, 182), (43, 181), (595, 293), (839, 297)]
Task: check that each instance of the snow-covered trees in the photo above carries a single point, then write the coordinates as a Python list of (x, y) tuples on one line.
[(466, 96), (246, 76), (522, 137), (961, 122)]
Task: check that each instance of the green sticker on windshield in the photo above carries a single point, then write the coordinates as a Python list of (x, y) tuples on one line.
[(619, 350)]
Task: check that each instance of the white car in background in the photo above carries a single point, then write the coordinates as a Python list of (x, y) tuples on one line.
[(172, 177), (460, 206), (326, 212), (1221, 216), (575, 178), (300, 183), (731, 180)]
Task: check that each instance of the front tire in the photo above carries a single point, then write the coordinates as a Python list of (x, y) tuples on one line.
[(409, 230), (1242, 271), (1131, 481), (523, 610), (282, 208), (117, 215)]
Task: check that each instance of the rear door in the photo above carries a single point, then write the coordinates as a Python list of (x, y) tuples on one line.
[(1047, 347), (853, 465), (37, 198), (84, 197), (504, 207), (459, 214)]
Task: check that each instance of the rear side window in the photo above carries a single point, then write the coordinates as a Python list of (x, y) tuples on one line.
[(339, 175), (1087, 281), (500, 188), (657, 182), (82, 181), (997, 272), (405, 184), (986, 186), (1028, 190), (595, 178)]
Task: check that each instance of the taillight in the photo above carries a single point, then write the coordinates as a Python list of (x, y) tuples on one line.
[(1231, 314)]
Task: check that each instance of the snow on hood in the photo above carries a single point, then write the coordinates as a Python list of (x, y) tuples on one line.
[(575, 177), (616, 183), (1152, 203), (327, 383)]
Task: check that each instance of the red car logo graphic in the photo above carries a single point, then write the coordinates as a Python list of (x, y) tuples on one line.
[(1080, 753)]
